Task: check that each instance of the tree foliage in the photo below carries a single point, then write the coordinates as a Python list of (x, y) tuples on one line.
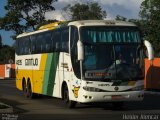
[(25, 15), (150, 14), (87, 11), (119, 17), (0, 42), (6, 53)]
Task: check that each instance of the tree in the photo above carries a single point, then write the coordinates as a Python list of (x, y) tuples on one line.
[(25, 15), (118, 17), (150, 14), (87, 11), (1, 42), (6, 53)]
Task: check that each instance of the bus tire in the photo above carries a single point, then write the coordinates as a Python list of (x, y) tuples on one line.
[(68, 103), (24, 87), (29, 93)]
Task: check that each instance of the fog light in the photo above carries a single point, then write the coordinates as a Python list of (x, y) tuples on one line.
[(90, 97), (85, 96)]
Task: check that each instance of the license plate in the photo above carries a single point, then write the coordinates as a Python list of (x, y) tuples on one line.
[(116, 97)]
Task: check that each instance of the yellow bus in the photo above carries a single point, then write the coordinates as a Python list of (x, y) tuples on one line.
[(83, 61)]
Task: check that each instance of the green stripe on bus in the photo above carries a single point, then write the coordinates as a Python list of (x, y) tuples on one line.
[(50, 73)]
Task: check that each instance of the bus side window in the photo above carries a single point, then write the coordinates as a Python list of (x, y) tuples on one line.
[(21, 48), (65, 40), (33, 44), (48, 42), (56, 41), (27, 44), (40, 44), (17, 47), (73, 48), (24, 47), (73, 41)]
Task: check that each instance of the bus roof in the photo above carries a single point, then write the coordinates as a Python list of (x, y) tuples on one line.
[(31, 33), (55, 25), (101, 22)]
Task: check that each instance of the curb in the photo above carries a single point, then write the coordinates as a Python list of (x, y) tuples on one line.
[(6, 109)]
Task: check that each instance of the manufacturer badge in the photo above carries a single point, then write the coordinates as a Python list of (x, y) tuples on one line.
[(116, 88)]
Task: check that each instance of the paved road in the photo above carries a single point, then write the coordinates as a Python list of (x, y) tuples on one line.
[(52, 108)]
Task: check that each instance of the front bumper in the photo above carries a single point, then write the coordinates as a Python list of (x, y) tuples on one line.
[(88, 97)]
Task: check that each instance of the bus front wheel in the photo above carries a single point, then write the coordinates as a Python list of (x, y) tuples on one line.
[(69, 103)]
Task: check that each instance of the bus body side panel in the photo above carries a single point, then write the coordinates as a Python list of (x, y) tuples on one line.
[(41, 70), (23, 69), (50, 73), (30, 67), (18, 77), (73, 83), (26, 74), (63, 74), (39, 74), (58, 71)]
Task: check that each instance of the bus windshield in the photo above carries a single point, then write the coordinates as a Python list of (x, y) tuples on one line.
[(103, 34), (112, 54)]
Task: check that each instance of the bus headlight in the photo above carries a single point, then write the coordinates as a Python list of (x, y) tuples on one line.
[(138, 88), (93, 89)]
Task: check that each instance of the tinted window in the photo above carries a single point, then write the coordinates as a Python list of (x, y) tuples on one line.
[(56, 40), (33, 44), (17, 47), (61, 39), (73, 52), (48, 41), (23, 45), (65, 39), (51, 41), (40, 42), (103, 34)]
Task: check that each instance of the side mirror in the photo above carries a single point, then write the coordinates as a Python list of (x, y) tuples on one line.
[(80, 50), (150, 51)]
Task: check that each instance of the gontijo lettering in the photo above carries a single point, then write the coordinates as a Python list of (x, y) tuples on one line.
[(31, 62)]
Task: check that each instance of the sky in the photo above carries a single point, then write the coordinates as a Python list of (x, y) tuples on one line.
[(6, 40), (127, 8)]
